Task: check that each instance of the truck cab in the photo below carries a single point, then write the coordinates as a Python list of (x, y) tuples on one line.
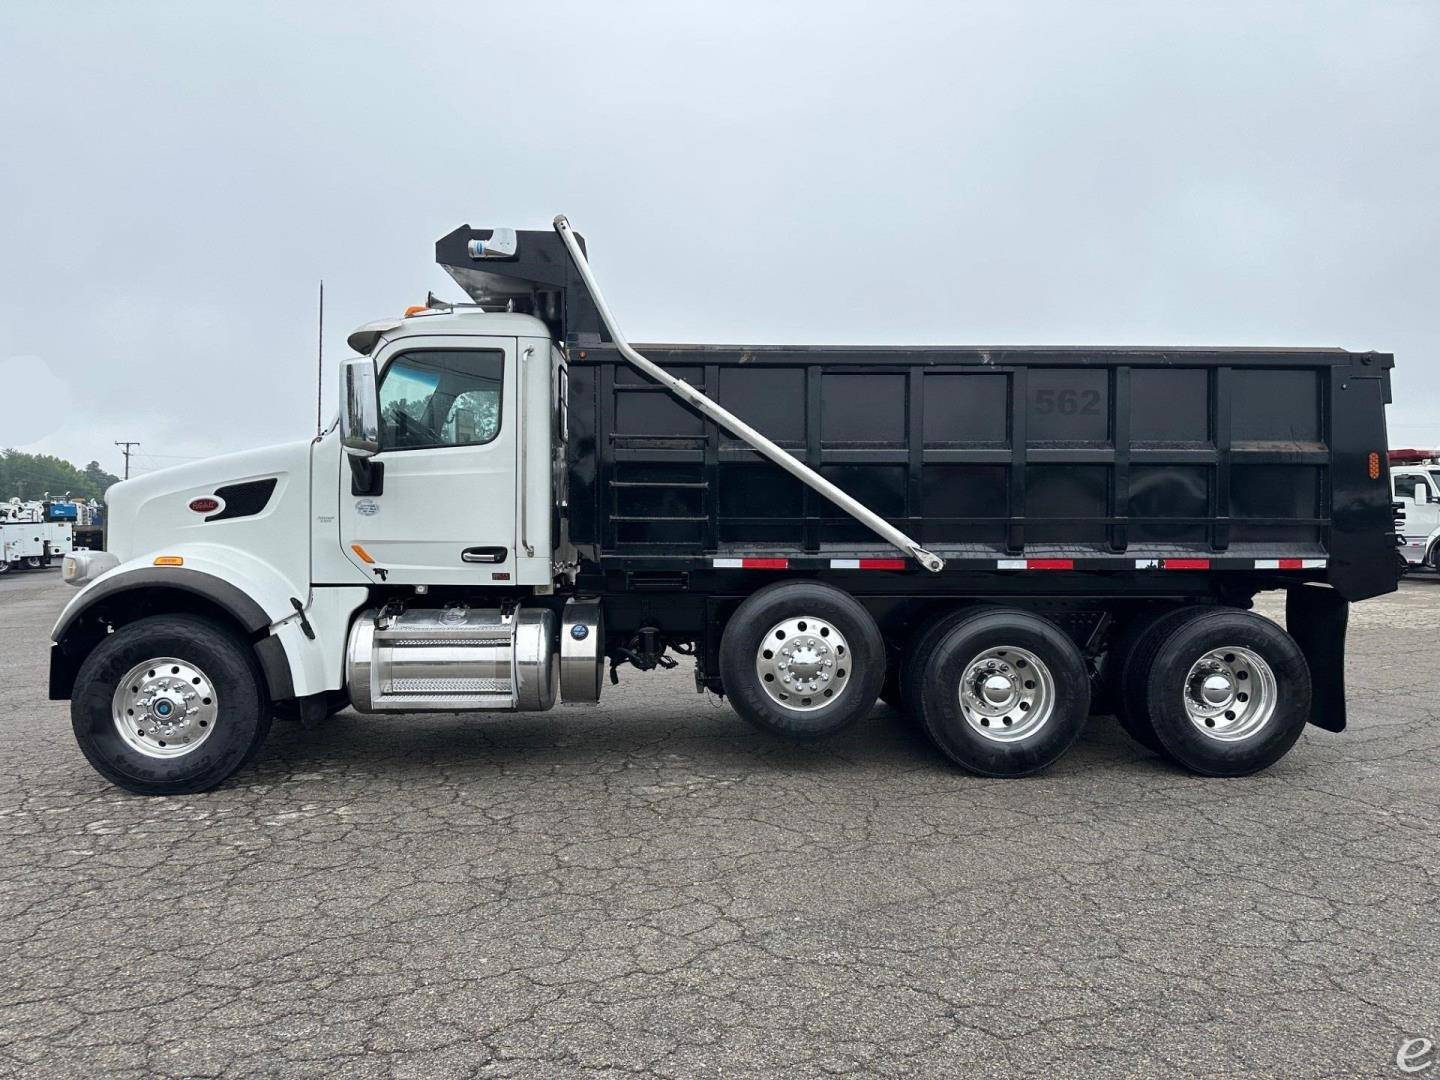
[(1416, 489)]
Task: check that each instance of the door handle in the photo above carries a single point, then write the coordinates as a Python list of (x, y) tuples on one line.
[(483, 555)]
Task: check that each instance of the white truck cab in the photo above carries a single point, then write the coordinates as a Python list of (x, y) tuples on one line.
[(1416, 489)]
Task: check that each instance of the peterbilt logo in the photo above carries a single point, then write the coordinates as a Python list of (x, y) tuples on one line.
[(205, 504)]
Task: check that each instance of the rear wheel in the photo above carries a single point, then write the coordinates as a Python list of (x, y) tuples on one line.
[(34, 562), (801, 659), (169, 705), (1001, 693), (1134, 652), (6, 567), (1228, 693)]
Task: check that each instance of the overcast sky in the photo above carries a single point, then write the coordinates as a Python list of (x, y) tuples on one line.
[(176, 178)]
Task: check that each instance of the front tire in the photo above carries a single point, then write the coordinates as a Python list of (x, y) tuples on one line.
[(170, 705), (34, 562), (1001, 693), (802, 660), (1228, 694)]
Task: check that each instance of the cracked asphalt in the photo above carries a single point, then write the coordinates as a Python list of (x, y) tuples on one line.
[(652, 889)]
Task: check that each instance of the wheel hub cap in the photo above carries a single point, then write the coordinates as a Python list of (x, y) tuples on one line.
[(164, 707), (1007, 694), (803, 663), (1230, 694)]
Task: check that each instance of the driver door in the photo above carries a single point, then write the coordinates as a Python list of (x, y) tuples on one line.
[(445, 510)]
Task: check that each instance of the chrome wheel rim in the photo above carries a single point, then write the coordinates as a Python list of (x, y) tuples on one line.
[(1007, 694), (34, 562), (1230, 694), (165, 708), (803, 663)]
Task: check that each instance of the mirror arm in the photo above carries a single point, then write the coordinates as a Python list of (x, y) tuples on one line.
[(367, 476)]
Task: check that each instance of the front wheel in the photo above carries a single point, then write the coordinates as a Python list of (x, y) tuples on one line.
[(169, 705), (35, 562), (6, 567)]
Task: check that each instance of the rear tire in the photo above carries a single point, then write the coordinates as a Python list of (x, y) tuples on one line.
[(802, 660), (34, 562), (170, 705), (1000, 692), (1228, 693), (1134, 652), (6, 567)]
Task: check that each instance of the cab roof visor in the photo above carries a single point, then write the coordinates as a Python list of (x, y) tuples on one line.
[(522, 270), (364, 338)]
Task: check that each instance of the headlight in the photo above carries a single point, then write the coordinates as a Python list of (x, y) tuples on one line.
[(83, 567)]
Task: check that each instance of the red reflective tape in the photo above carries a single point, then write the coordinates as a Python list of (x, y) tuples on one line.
[(1185, 564), (1290, 564), (1049, 564), (882, 564), (765, 564)]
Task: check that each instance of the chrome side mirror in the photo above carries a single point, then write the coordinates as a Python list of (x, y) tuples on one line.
[(360, 408)]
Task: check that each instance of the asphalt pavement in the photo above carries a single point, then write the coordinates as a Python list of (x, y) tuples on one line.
[(649, 888)]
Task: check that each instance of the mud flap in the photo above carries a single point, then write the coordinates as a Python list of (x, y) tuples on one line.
[(1316, 617)]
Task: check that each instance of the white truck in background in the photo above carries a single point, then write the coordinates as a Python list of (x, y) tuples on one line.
[(27, 540), (1416, 489)]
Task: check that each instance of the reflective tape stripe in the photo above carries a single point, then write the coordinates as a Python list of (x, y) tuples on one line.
[(867, 564), (1035, 564), (1290, 564), (1185, 564), (751, 564)]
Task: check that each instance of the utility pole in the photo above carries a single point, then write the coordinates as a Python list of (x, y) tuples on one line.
[(125, 449)]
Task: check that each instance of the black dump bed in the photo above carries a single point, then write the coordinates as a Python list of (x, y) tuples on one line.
[(1110, 464), (996, 459)]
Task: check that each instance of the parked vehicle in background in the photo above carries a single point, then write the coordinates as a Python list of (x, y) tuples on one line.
[(28, 541), (515, 497), (1416, 490)]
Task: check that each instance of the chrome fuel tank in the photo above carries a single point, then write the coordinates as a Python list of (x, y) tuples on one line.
[(453, 659)]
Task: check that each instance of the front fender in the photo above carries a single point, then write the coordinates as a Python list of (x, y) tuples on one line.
[(253, 592), (296, 661)]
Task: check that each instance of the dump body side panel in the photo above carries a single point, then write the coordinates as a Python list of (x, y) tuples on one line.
[(1095, 460)]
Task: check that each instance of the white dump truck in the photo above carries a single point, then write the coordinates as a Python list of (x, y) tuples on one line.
[(996, 540)]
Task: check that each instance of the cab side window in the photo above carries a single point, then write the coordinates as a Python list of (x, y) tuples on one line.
[(441, 397), (1405, 485)]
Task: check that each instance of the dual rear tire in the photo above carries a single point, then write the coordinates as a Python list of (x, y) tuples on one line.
[(1219, 691), (1000, 692)]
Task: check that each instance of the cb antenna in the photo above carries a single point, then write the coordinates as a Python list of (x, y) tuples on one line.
[(320, 361)]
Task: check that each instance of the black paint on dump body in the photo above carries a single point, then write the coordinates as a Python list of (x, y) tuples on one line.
[(992, 453)]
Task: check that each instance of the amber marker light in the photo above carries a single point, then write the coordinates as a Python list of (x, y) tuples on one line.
[(169, 560), (1374, 465), (363, 555)]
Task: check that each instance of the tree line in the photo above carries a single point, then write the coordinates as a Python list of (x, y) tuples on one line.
[(30, 476)]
